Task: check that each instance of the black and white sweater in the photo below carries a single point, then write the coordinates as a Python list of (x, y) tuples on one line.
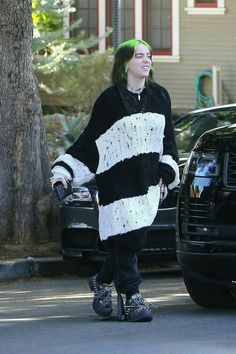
[(128, 146)]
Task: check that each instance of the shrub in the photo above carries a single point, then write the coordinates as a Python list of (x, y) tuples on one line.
[(79, 84), (62, 131)]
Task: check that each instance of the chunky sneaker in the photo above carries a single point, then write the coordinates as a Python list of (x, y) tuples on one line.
[(137, 309), (102, 303)]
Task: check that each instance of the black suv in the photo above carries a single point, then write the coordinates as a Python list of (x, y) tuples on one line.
[(79, 225), (206, 218)]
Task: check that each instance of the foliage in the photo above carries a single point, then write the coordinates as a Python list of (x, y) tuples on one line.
[(78, 78), (63, 130), (46, 16), (82, 82), (52, 47), (64, 72)]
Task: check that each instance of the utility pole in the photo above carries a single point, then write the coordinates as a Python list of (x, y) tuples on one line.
[(117, 23)]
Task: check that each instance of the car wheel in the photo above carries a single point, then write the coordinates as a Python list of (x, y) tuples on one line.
[(87, 268), (209, 295)]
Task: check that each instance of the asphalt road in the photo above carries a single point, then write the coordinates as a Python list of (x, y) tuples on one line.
[(54, 316)]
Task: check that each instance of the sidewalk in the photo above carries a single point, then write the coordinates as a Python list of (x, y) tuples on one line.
[(24, 268)]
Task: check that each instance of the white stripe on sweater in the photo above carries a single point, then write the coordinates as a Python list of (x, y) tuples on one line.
[(169, 161), (81, 172), (130, 136), (128, 214)]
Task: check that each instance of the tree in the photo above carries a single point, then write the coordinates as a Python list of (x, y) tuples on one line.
[(24, 187)]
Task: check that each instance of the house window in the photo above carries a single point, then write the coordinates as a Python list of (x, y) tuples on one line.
[(87, 10), (156, 21), (127, 20), (207, 7), (206, 3), (157, 25)]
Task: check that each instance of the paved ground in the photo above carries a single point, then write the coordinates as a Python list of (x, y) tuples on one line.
[(54, 316)]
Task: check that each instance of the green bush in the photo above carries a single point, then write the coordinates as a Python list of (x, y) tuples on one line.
[(81, 85), (92, 78), (82, 82), (63, 130), (71, 80)]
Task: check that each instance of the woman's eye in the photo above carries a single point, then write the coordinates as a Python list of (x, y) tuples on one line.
[(138, 56)]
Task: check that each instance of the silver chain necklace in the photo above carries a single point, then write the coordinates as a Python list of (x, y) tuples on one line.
[(137, 92)]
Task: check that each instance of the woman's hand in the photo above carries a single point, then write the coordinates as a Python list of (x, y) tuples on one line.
[(58, 179), (163, 190)]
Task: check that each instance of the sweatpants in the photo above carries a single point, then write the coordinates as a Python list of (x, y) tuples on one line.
[(120, 265)]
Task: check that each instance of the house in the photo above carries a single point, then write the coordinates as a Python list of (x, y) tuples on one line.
[(188, 37)]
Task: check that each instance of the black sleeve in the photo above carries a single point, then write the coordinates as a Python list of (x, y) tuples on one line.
[(168, 170)]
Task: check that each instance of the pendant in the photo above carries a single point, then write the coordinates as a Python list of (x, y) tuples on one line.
[(139, 97)]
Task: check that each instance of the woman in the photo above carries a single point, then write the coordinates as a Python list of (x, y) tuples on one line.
[(129, 147)]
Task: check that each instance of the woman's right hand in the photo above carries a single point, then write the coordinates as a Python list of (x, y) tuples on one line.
[(59, 179), (163, 190)]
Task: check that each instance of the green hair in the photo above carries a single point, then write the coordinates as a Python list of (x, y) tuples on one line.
[(133, 43), (123, 54)]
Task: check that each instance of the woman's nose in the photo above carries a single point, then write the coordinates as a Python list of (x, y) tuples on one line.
[(147, 58)]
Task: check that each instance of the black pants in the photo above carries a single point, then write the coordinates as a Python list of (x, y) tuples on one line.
[(120, 265)]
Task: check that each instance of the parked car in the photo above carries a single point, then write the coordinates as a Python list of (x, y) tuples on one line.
[(206, 222), (79, 222)]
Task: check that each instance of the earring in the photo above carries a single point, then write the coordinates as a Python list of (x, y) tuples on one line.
[(126, 69)]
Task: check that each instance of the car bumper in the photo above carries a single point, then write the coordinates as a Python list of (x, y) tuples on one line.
[(216, 263), (80, 236), (206, 238)]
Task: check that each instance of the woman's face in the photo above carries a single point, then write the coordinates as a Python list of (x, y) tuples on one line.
[(140, 64)]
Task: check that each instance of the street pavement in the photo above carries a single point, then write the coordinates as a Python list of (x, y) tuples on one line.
[(55, 316)]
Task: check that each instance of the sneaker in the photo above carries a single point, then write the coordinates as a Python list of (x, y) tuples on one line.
[(102, 303), (137, 309)]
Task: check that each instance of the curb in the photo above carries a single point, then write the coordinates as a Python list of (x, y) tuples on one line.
[(36, 267), (19, 268), (24, 268)]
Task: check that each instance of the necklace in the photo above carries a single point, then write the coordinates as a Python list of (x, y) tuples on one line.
[(137, 92)]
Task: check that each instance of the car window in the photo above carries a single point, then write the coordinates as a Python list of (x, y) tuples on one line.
[(192, 126)]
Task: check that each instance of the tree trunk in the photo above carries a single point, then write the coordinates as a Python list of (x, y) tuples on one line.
[(24, 165)]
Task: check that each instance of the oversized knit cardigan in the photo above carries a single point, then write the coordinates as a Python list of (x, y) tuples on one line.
[(127, 149)]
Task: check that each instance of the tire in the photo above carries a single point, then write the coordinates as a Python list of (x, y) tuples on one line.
[(87, 268), (209, 295)]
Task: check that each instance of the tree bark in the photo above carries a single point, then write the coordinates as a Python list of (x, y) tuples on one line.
[(25, 204)]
